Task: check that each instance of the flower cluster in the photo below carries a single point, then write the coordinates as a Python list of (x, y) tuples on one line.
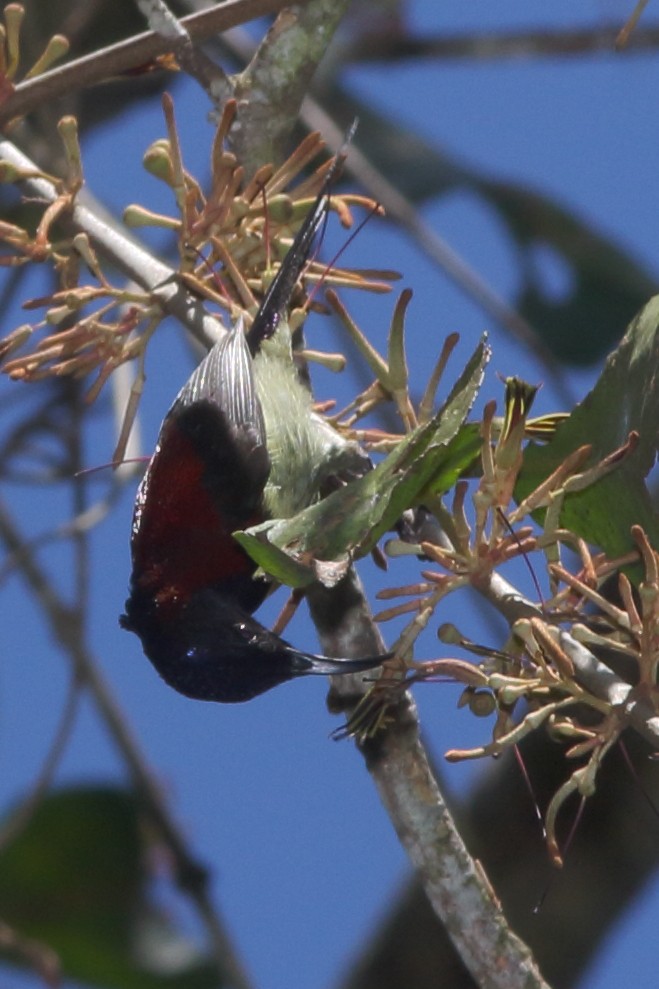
[(229, 240), (539, 678)]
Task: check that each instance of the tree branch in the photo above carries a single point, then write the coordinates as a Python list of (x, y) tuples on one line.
[(454, 883), (271, 89), (391, 47), (189, 56), (125, 55)]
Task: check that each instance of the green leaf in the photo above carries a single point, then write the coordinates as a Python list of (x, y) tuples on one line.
[(348, 523), (605, 286), (625, 398), (76, 879)]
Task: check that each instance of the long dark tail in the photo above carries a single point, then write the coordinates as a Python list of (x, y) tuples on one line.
[(278, 296)]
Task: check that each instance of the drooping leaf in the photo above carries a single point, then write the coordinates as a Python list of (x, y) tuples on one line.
[(604, 285), (625, 398), (348, 523), (76, 879)]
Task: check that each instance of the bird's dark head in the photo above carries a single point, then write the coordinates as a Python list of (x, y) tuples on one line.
[(210, 648)]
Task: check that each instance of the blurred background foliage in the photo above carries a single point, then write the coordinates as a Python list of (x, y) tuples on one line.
[(78, 866)]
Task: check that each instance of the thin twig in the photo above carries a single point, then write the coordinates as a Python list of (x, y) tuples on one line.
[(21, 815), (628, 29), (37, 955), (84, 522), (516, 45), (398, 208), (126, 253), (125, 55), (593, 674), (191, 877), (191, 57)]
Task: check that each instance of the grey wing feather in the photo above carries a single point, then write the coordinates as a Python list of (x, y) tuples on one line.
[(225, 378)]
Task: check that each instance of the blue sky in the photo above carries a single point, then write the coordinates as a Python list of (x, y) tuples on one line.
[(301, 850)]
